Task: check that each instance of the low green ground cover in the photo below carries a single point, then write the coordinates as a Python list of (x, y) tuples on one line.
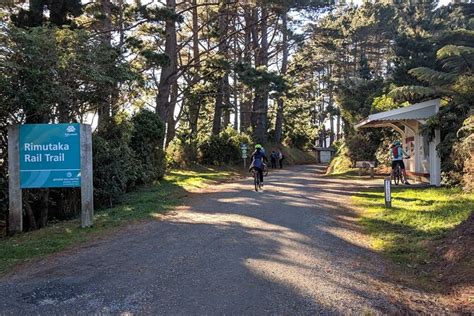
[(351, 173), (418, 215), (135, 206)]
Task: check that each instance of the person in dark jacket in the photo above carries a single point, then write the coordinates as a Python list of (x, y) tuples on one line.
[(273, 159), (280, 158), (258, 158)]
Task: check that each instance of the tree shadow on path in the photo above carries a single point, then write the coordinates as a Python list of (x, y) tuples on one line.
[(293, 249)]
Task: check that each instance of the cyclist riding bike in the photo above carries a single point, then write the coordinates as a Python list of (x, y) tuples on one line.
[(396, 154), (258, 158)]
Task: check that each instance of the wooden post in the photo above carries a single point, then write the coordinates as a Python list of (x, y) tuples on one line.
[(87, 189), (15, 213)]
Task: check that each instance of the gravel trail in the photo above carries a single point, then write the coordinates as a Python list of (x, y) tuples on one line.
[(293, 249)]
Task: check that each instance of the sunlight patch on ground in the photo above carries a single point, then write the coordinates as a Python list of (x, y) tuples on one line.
[(297, 204), (254, 225), (239, 200)]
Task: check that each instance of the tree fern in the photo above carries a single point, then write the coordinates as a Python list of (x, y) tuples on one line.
[(461, 37), (411, 93), (456, 58), (433, 77)]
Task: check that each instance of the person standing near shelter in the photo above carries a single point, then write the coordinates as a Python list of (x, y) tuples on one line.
[(396, 154), (273, 158), (280, 158)]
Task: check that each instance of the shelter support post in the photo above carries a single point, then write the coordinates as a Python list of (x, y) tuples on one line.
[(435, 160)]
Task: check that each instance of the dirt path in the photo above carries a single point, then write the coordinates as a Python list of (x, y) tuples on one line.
[(292, 249)]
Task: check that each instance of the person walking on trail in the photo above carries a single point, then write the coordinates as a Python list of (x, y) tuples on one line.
[(273, 159), (258, 158), (280, 158), (396, 154)]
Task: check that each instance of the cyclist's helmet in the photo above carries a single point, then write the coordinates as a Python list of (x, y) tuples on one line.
[(258, 146)]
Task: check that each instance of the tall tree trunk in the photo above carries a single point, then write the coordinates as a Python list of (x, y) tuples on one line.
[(217, 120), (226, 116), (30, 214), (43, 220), (171, 123), (284, 66), (260, 101), (222, 101), (195, 104), (331, 106), (246, 103), (105, 29), (168, 72), (235, 87), (331, 135)]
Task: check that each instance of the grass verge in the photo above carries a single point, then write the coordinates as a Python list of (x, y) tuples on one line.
[(417, 217), (351, 173), (135, 206)]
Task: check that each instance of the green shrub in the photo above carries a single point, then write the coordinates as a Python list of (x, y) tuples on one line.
[(382, 155), (293, 156), (147, 143), (3, 172), (455, 161), (362, 147), (223, 148), (298, 139), (182, 152), (341, 162), (116, 169), (3, 195)]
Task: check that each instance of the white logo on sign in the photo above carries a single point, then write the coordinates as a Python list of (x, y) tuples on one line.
[(70, 129), (69, 174)]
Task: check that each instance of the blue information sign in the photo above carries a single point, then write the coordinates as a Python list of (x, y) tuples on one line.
[(50, 155)]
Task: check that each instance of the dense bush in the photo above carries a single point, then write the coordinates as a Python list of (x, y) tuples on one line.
[(341, 162), (371, 145), (3, 196), (126, 153), (116, 169), (382, 155), (362, 147), (455, 163), (147, 143), (223, 148), (182, 152), (3, 170), (298, 139)]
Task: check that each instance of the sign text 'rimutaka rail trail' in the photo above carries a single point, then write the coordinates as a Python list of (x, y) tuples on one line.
[(50, 155)]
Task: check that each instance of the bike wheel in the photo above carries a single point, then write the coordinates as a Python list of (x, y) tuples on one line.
[(256, 181), (398, 175)]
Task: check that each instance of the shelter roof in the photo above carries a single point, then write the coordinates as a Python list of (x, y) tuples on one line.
[(418, 111)]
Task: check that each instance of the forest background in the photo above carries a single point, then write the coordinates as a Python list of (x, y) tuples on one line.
[(172, 83)]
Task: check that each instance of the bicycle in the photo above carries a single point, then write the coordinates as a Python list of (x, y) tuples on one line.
[(265, 170), (398, 174), (256, 180)]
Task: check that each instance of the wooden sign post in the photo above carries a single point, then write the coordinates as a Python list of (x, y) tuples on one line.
[(49, 156), (15, 211)]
